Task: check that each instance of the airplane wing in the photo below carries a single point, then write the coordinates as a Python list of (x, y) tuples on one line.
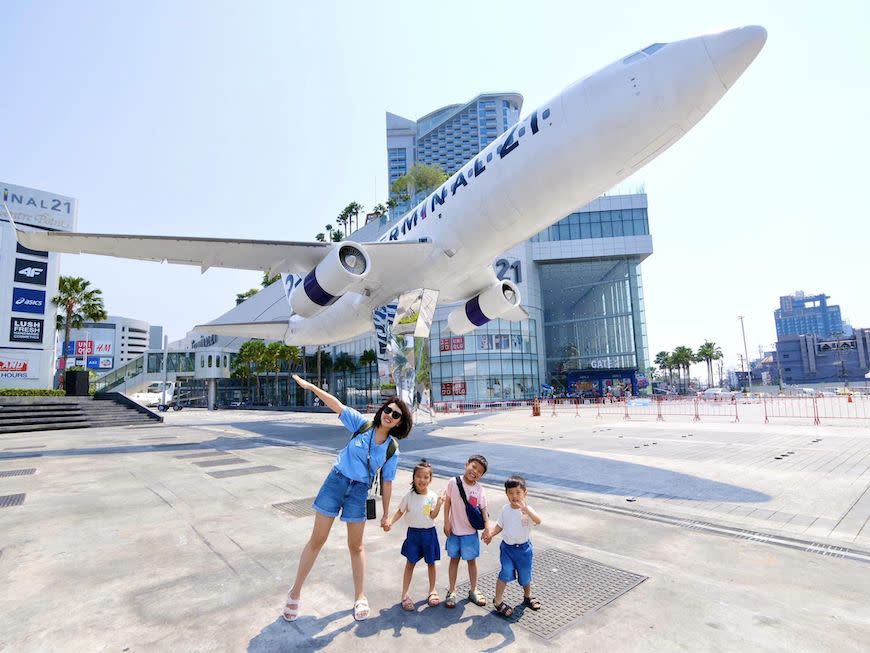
[(388, 257)]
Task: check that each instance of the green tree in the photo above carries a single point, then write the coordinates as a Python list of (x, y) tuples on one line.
[(367, 359), (421, 178), (320, 237), (251, 355), (682, 358), (271, 362), (709, 352), (352, 211), (266, 281), (77, 303), (663, 360), (344, 363), (242, 296)]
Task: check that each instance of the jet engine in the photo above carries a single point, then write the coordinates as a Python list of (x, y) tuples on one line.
[(346, 265), (493, 302)]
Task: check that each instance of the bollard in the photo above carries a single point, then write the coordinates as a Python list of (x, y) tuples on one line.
[(764, 402), (536, 407)]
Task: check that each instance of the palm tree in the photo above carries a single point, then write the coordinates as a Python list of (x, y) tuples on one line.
[(77, 304), (682, 358), (292, 356), (663, 360), (251, 355), (271, 362), (320, 237), (709, 352), (353, 209), (367, 359), (344, 363)]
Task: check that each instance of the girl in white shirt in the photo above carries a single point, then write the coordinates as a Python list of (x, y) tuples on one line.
[(422, 506)]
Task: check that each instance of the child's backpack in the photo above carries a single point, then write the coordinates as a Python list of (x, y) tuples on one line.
[(475, 514)]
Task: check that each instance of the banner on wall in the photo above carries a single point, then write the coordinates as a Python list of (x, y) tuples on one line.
[(19, 365)]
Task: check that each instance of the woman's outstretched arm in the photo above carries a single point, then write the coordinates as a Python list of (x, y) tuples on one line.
[(334, 404)]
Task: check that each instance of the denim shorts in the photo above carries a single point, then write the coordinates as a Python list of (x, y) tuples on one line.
[(466, 547), (516, 562), (422, 543), (339, 493)]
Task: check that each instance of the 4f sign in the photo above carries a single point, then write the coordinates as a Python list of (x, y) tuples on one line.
[(32, 272)]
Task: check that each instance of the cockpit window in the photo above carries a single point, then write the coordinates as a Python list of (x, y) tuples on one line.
[(655, 47), (637, 56)]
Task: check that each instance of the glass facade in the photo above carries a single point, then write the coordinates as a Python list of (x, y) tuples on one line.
[(496, 362), (593, 317), (597, 224)]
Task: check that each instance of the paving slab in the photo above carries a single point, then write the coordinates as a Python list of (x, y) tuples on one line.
[(119, 544)]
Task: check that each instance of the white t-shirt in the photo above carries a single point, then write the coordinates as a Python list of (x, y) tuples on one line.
[(419, 507), (516, 527)]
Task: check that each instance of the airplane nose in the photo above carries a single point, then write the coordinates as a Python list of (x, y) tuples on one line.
[(731, 52)]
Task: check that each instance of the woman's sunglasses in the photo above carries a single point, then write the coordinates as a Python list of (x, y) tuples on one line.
[(395, 414)]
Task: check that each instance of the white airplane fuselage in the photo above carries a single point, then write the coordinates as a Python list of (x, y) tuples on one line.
[(567, 152)]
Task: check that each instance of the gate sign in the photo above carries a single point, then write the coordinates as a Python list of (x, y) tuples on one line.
[(31, 271), (25, 300), (22, 329)]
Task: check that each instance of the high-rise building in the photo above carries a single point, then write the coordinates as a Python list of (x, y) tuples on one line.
[(580, 281), (804, 315), (449, 136)]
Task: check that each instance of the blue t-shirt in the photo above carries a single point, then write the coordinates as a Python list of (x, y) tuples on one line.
[(351, 461)]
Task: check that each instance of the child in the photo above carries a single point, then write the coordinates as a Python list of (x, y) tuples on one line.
[(515, 552), (462, 540), (422, 506)]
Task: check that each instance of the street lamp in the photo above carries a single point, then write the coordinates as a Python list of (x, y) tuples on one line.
[(746, 353)]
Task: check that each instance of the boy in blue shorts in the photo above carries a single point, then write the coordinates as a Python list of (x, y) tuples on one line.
[(515, 552), (462, 538)]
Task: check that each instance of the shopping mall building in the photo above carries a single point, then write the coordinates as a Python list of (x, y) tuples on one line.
[(580, 281)]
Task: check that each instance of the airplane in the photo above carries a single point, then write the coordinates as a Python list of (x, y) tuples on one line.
[(565, 153)]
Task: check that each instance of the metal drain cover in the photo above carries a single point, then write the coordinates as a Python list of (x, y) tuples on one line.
[(11, 500), (297, 508), (569, 587), (18, 472)]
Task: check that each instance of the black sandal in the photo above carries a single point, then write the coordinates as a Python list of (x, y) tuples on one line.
[(531, 602), (504, 609)]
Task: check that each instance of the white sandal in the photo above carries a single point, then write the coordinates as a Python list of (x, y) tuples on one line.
[(361, 609), (291, 608)]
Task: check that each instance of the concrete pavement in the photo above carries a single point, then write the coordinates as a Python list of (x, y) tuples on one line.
[(165, 538)]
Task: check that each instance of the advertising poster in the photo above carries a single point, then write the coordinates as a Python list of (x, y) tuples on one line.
[(22, 329), (32, 272), (19, 365), (25, 300)]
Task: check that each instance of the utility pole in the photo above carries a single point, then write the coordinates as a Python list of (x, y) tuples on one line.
[(746, 353)]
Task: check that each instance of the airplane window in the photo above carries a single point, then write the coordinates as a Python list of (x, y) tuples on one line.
[(637, 56), (655, 47)]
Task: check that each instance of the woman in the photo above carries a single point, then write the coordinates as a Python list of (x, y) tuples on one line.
[(346, 488)]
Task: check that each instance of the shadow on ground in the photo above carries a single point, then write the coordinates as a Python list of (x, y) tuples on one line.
[(310, 633), (541, 466)]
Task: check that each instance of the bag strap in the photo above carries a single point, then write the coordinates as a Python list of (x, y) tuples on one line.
[(462, 491), (392, 448)]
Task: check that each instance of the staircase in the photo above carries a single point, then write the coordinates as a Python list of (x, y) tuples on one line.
[(20, 414)]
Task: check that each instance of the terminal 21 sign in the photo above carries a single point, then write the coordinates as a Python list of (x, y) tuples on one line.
[(22, 329)]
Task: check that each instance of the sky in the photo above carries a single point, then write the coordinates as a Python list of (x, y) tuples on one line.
[(264, 119)]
